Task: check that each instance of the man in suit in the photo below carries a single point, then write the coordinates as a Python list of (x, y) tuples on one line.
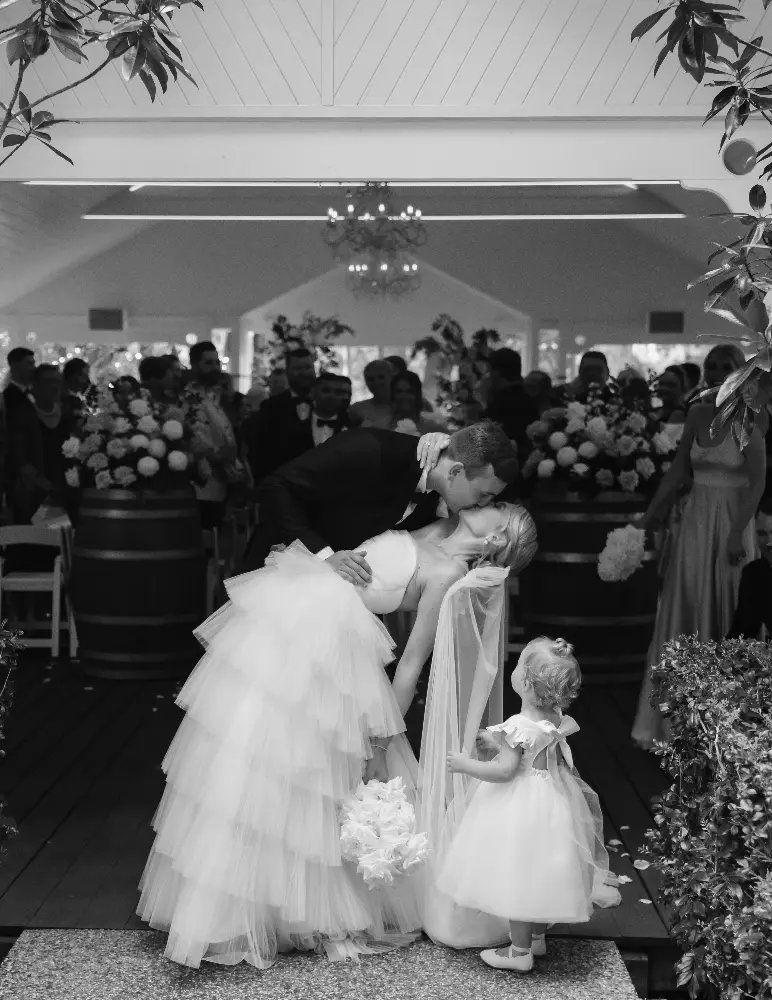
[(19, 412), (754, 598), (368, 480), (508, 402)]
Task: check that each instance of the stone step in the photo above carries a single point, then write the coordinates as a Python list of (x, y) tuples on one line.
[(114, 965)]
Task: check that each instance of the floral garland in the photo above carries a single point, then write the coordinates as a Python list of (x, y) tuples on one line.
[(314, 334), (122, 445), (603, 444), (459, 369)]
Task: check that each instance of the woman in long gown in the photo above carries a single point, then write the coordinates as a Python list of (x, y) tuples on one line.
[(285, 711), (715, 537)]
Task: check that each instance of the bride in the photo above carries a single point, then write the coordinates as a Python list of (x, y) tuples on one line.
[(287, 711)]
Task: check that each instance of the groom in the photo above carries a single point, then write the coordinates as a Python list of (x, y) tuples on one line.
[(366, 481)]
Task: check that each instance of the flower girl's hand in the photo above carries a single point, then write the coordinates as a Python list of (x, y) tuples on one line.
[(430, 447), (487, 741), (456, 762)]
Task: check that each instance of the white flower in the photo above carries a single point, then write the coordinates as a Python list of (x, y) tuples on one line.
[(147, 466), (576, 411), (545, 468), (139, 440), (663, 442), (574, 425), (121, 425), (97, 461), (157, 448), (103, 480), (71, 447), (147, 424), (117, 447), (628, 480), (124, 476), (172, 430), (557, 440), (626, 445), (72, 478), (636, 422), (588, 449), (645, 468), (178, 461), (623, 553), (566, 457), (581, 469), (139, 407), (597, 428), (94, 423), (89, 445), (604, 478), (407, 427)]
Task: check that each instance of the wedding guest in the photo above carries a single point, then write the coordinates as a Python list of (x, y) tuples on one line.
[(530, 852), (280, 416), (719, 362), (692, 375), (406, 406), (214, 440), (125, 389), (754, 598), (670, 387), (154, 375), (35, 445), (277, 382), (538, 385), (376, 411), (593, 373), (77, 383), (509, 404), (344, 390), (716, 535), (398, 363), (17, 394)]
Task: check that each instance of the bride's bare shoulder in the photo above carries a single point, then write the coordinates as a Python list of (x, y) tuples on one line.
[(433, 566)]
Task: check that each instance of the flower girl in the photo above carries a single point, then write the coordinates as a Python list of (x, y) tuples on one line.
[(529, 848)]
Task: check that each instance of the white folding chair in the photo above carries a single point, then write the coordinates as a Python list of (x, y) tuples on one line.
[(37, 582)]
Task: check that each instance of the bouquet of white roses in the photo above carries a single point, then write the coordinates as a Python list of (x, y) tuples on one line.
[(139, 443), (603, 444), (378, 833), (623, 554)]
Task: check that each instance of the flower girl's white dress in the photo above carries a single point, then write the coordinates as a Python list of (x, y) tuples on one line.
[(531, 849), (246, 860)]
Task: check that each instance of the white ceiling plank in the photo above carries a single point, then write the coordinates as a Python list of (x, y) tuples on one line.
[(256, 46), (427, 52), (312, 10), (237, 62), (604, 35), (485, 47), (457, 51), (294, 45), (515, 41), (564, 53), (553, 21), (343, 12), (388, 37), (358, 27)]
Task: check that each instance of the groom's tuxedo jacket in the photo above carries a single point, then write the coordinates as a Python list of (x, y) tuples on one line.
[(350, 488)]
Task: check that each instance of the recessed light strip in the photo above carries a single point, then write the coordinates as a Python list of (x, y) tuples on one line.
[(138, 185), (621, 217)]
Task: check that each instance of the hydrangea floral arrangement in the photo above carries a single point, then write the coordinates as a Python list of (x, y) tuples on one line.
[(314, 333), (140, 444), (378, 833), (598, 445)]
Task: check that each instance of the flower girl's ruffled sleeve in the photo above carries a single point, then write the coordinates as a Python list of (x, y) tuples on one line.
[(515, 734)]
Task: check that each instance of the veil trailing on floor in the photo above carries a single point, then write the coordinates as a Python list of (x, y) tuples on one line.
[(465, 693)]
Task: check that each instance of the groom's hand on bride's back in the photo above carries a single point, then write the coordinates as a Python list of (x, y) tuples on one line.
[(352, 566)]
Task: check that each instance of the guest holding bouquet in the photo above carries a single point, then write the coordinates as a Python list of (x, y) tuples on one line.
[(407, 413)]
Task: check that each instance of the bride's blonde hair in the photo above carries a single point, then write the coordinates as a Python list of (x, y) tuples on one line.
[(551, 671), (515, 543)]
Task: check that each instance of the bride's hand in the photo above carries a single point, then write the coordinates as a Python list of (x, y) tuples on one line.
[(375, 768), (430, 447)]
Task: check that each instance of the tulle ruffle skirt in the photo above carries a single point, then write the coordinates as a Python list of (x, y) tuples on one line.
[(246, 860), (529, 850)]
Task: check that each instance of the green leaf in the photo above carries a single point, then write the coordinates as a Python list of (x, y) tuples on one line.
[(718, 292), (149, 83), (24, 107), (58, 152), (68, 49), (133, 62), (14, 140), (733, 383), (748, 53), (40, 117), (645, 25), (757, 197), (720, 101)]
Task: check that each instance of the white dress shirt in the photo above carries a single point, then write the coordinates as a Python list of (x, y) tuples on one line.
[(321, 433)]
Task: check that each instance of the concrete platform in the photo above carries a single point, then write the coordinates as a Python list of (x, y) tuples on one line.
[(116, 965)]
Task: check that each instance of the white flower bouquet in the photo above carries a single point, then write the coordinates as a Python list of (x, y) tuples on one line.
[(407, 426), (140, 443), (622, 555), (378, 833), (603, 444)]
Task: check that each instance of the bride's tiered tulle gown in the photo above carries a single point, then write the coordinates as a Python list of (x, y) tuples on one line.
[(279, 712), (699, 593)]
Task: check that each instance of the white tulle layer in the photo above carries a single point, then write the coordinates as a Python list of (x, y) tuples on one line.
[(530, 850), (246, 860)]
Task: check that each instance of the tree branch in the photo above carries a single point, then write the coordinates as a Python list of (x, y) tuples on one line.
[(750, 45), (9, 113), (72, 86), (13, 151)]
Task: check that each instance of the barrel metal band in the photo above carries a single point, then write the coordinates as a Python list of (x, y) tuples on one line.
[(140, 555), (137, 515), (579, 557), (98, 656), (129, 622), (617, 517), (589, 621)]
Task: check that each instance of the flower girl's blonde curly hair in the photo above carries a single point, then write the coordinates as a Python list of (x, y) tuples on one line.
[(551, 671)]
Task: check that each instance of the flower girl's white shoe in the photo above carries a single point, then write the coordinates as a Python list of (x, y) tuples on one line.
[(512, 959), (538, 945)]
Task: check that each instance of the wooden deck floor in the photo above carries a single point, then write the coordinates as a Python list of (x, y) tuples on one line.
[(82, 776)]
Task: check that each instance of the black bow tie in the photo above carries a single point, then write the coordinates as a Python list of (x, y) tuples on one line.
[(326, 423)]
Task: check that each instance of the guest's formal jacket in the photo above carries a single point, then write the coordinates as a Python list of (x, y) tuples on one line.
[(341, 493), (514, 409), (754, 601), (284, 428), (19, 413)]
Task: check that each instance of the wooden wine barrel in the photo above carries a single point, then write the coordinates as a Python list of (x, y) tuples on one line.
[(138, 583), (610, 624)]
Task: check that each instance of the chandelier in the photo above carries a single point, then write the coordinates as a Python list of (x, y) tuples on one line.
[(378, 241)]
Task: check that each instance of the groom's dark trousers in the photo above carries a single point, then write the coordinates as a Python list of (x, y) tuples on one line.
[(350, 488)]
